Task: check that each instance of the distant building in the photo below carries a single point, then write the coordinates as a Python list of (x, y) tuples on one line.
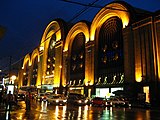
[(118, 50)]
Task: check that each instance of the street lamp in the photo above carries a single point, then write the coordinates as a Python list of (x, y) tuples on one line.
[(12, 79)]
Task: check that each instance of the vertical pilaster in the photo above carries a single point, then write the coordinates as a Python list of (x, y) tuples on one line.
[(58, 63), (65, 71), (89, 63)]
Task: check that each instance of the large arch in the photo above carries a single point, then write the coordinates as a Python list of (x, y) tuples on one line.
[(55, 28), (35, 53), (107, 12), (77, 28), (35, 56), (26, 59), (80, 27), (114, 10)]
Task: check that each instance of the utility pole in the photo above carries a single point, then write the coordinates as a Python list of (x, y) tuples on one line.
[(10, 62)]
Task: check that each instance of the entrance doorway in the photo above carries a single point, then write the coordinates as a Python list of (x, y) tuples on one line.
[(146, 91)]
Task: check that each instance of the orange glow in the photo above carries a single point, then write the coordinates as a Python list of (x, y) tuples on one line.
[(88, 82), (26, 59), (52, 28), (60, 66), (138, 74), (56, 83), (41, 48), (77, 28), (105, 14), (58, 35), (146, 90), (34, 54)]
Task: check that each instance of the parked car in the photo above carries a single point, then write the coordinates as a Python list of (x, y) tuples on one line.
[(77, 99), (42, 97), (21, 96), (58, 99), (118, 102), (99, 101)]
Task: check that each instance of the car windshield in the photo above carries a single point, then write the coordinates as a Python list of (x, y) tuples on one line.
[(98, 98), (78, 96), (41, 94), (55, 96)]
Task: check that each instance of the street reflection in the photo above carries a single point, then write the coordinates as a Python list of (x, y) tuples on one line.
[(44, 111), (86, 111), (20, 116), (64, 111), (56, 111), (7, 115), (44, 107), (148, 115), (79, 112)]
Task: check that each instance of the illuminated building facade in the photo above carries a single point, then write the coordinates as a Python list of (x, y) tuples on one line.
[(117, 50)]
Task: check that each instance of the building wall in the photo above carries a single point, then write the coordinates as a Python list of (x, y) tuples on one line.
[(141, 41)]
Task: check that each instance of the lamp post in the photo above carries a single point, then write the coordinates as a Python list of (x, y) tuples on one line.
[(12, 79), (61, 87), (10, 59)]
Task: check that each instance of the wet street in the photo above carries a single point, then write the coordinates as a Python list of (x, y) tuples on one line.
[(44, 111)]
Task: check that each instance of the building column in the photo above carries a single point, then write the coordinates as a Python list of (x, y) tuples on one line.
[(65, 71), (39, 73), (89, 66)]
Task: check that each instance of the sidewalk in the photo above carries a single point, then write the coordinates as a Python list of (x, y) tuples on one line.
[(3, 107), (5, 115)]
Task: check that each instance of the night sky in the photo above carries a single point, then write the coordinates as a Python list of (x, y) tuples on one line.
[(26, 20)]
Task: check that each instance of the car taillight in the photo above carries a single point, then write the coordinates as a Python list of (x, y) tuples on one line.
[(44, 97)]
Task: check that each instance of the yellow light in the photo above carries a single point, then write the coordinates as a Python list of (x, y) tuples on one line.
[(105, 14), (41, 48), (13, 77), (60, 66), (80, 27), (58, 35), (138, 76)]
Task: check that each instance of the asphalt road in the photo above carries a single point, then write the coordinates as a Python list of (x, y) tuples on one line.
[(44, 111)]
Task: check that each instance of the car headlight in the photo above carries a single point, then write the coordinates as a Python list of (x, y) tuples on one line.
[(64, 100), (79, 101), (123, 103), (86, 101)]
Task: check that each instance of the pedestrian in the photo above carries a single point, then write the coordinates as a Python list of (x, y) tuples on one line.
[(9, 100), (28, 104)]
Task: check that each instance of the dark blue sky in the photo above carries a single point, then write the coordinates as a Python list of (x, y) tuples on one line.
[(26, 20)]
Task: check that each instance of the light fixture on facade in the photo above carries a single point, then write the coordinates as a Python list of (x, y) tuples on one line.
[(12, 79), (60, 66)]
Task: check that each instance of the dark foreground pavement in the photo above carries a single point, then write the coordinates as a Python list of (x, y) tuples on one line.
[(44, 111)]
